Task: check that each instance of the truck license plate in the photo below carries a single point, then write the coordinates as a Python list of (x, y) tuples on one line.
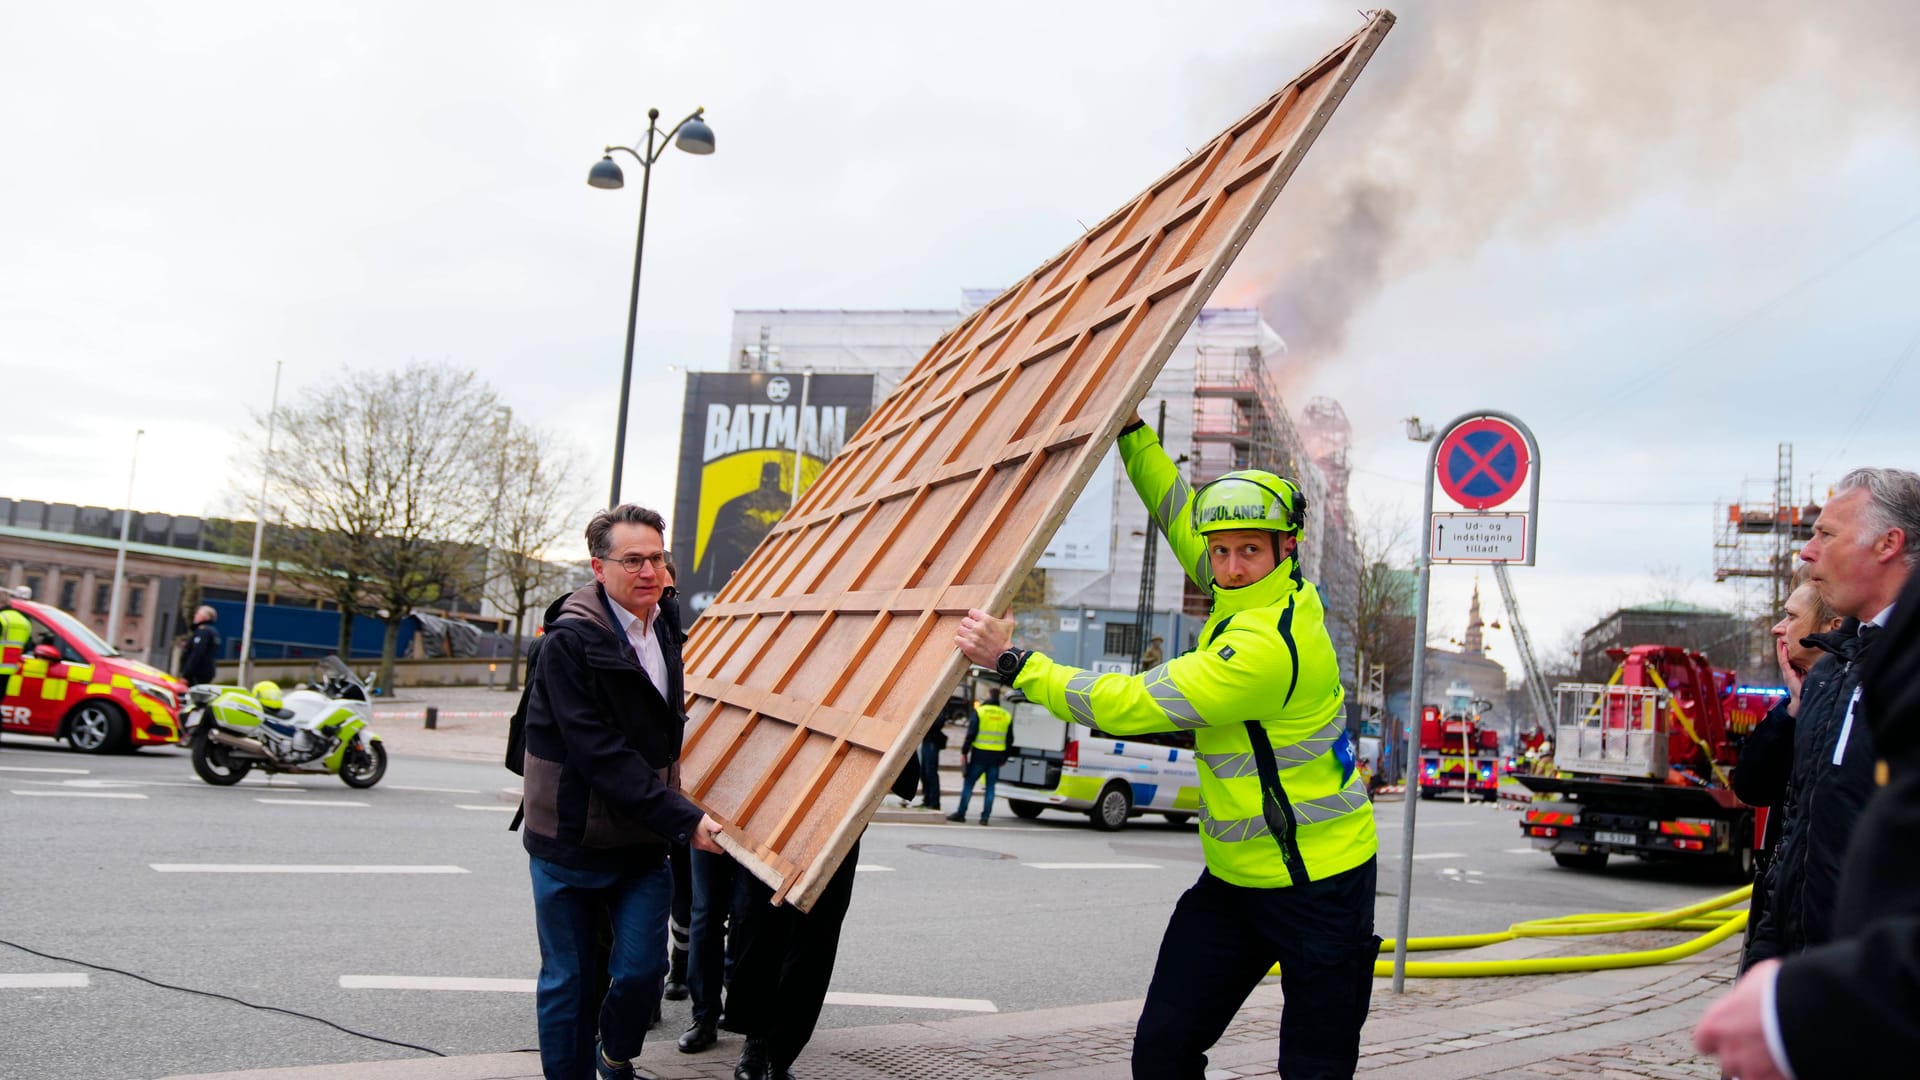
[(1615, 838)]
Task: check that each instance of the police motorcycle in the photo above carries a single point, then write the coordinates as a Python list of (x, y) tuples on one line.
[(319, 729)]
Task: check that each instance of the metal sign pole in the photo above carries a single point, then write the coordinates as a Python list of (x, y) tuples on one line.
[(1506, 489), (1411, 794)]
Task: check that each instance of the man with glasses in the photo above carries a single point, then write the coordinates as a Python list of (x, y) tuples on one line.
[(603, 729)]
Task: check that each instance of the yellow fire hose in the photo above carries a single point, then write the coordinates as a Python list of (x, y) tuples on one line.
[(1709, 916)]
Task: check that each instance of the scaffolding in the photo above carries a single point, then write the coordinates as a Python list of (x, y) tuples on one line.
[(1240, 422), (1756, 541)]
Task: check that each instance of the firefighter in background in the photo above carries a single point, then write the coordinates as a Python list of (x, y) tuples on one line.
[(14, 632), (1286, 827)]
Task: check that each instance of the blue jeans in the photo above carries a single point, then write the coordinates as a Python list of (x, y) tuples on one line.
[(975, 770), (565, 902)]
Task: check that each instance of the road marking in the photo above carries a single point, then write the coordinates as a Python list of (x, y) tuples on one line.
[(308, 802), (526, 986), (511, 790), (1440, 855), (911, 825), (1428, 824), (31, 768), (872, 868), (43, 980), (899, 1001), (1092, 866), (299, 868), (1520, 851), (491, 809), (429, 982), (438, 790), (82, 794)]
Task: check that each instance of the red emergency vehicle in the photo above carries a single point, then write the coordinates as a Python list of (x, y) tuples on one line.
[(1458, 753), (1641, 765), (70, 684)]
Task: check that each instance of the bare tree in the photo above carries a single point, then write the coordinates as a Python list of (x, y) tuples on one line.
[(535, 503), (328, 474), (1376, 614), (386, 476)]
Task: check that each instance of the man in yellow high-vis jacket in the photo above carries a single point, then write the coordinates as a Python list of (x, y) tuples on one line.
[(982, 753), (1285, 823), (14, 634)]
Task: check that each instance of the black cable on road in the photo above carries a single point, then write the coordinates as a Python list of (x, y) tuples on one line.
[(223, 997)]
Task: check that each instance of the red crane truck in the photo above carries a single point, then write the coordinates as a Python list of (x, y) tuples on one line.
[(1641, 765)]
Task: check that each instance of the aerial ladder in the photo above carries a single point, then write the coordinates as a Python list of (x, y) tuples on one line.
[(1536, 688)]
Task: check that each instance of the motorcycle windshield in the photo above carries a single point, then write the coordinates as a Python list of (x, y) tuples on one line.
[(351, 686)]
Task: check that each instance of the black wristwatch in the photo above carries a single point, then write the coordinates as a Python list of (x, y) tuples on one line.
[(1009, 665)]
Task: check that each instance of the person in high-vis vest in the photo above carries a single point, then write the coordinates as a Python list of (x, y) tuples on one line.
[(14, 634), (1285, 824), (982, 754)]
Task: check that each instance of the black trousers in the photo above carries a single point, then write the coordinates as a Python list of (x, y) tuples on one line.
[(1222, 940), (785, 963), (715, 939), (680, 921)]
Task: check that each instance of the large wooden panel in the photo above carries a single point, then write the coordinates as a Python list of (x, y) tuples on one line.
[(818, 666)]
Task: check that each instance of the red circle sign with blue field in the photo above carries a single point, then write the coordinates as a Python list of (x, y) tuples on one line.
[(1482, 463)]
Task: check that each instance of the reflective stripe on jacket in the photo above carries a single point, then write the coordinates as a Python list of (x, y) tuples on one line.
[(14, 631), (1264, 656), (995, 723)]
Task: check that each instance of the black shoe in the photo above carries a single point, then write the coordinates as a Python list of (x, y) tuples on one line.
[(956, 817), (983, 821), (676, 989), (698, 1036), (607, 1070), (753, 1060)]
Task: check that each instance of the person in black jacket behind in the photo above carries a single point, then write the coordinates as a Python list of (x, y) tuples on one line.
[(785, 961), (203, 648), (1858, 559), (1847, 1009), (1766, 759), (603, 732)]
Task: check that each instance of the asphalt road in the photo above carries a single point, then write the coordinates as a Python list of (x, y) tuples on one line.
[(1018, 916)]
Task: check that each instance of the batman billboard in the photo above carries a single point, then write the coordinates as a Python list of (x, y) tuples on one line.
[(743, 437)]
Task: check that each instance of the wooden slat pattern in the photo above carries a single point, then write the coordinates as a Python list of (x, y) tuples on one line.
[(814, 672)]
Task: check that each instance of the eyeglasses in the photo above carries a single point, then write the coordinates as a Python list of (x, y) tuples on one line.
[(632, 563)]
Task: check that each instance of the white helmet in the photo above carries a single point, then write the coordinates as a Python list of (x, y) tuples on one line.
[(21, 592)]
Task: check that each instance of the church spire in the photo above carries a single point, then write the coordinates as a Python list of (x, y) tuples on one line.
[(1473, 645)]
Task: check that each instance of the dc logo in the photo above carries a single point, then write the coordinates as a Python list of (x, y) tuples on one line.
[(778, 389)]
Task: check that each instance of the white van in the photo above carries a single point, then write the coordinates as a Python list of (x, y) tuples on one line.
[(1056, 765)]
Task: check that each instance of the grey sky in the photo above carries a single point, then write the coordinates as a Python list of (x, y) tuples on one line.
[(1667, 240)]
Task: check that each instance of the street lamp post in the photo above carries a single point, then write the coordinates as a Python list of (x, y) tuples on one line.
[(692, 135), (120, 557)]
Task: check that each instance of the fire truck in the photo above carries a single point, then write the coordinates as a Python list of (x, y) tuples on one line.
[(1458, 752), (1642, 762)]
